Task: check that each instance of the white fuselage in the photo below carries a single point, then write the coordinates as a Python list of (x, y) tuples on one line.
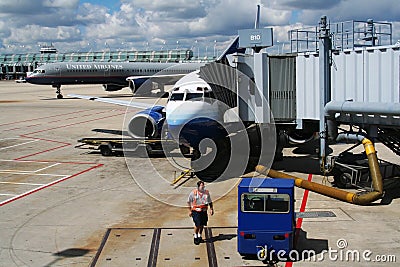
[(192, 109)]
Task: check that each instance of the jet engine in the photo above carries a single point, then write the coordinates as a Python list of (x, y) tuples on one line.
[(147, 123), (301, 137), (132, 86), (112, 87)]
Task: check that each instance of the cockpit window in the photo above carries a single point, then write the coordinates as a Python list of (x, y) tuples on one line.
[(209, 97), (176, 97), (38, 71), (194, 96)]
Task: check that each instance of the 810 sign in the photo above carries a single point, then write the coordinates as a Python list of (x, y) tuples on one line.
[(255, 37), (250, 38)]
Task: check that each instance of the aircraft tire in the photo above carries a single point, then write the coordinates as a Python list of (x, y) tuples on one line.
[(216, 168), (105, 151)]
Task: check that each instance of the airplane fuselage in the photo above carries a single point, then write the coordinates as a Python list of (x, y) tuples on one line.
[(114, 73), (193, 113)]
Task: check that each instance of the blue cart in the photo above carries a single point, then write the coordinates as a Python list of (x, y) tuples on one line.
[(266, 217)]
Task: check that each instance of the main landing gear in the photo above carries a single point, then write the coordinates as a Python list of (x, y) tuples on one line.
[(58, 91)]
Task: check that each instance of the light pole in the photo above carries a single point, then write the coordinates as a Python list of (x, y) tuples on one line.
[(109, 50), (215, 44), (198, 49)]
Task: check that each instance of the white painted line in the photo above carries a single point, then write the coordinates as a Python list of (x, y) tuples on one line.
[(34, 190), (32, 173), (8, 195), (15, 138), (21, 183), (55, 164), (7, 171), (19, 144), (26, 161)]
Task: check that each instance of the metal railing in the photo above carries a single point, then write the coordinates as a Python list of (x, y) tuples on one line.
[(345, 35)]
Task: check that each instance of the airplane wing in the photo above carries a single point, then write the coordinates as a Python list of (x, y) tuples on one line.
[(115, 101), (159, 78)]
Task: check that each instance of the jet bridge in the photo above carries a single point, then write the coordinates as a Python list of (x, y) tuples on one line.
[(329, 80), (337, 81)]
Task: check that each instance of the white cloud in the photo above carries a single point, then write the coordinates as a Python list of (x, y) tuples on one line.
[(61, 3), (88, 14), (35, 33)]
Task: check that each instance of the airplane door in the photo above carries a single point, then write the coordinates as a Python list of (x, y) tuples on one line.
[(106, 72), (57, 70)]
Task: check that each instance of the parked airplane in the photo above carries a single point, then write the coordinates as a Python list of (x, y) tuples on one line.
[(194, 118), (115, 75)]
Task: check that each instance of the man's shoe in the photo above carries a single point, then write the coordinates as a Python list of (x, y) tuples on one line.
[(196, 241), (200, 240)]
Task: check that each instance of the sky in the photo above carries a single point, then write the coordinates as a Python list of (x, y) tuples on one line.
[(206, 26)]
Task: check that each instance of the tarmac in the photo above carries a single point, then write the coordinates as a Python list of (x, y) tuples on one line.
[(63, 206)]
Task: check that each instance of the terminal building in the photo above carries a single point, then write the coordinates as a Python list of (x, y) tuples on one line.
[(13, 66)]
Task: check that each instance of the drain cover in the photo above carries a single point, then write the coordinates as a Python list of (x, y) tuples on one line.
[(315, 214)]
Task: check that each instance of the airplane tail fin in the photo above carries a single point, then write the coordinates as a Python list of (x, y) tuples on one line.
[(232, 48)]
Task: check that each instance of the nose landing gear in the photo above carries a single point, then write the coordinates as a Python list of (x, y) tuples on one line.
[(58, 91)]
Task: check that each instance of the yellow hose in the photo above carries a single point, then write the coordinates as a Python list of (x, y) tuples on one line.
[(339, 194)]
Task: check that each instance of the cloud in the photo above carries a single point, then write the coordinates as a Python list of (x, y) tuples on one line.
[(142, 24), (308, 4), (32, 33), (172, 10), (20, 7), (88, 14), (338, 11), (72, 4)]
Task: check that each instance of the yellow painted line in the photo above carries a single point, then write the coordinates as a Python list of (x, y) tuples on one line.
[(181, 176)]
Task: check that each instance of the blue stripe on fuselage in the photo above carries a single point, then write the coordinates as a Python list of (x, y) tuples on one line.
[(49, 80), (195, 130)]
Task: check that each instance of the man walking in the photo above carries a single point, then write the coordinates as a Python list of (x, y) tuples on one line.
[(198, 202)]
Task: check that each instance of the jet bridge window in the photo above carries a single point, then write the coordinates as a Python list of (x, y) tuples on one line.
[(265, 203), (176, 97), (194, 96)]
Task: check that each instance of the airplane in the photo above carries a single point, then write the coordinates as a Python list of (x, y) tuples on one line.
[(116, 75), (194, 118)]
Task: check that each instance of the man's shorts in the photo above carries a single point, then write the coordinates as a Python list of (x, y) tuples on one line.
[(200, 218)]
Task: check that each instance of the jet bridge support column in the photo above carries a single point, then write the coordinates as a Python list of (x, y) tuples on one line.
[(245, 87), (325, 85), (253, 102), (261, 78)]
